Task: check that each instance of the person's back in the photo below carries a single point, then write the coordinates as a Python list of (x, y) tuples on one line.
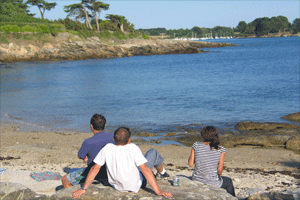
[(122, 166), (206, 164), (208, 158), (90, 148)]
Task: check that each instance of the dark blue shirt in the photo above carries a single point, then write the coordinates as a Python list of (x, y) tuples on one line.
[(91, 146)]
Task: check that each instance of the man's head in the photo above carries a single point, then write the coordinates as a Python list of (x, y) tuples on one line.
[(122, 136), (98, 122)]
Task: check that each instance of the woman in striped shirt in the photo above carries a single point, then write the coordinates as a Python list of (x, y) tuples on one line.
[(208, 158)]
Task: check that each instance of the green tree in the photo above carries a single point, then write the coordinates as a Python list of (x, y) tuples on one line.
[(242, 26), (197, 30), (118, 20), (42, 5), (78, 11), (96, 7), (296, 25)]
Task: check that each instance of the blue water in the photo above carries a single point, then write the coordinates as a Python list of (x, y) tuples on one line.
[(256, 81)]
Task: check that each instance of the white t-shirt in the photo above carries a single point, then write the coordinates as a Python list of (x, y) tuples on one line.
[(122, 166)]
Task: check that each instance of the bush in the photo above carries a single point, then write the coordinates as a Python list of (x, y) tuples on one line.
[(105, 34), (43, 28), (10, 28), (119, 35), (29, 28), (146, 37), (56, 28)]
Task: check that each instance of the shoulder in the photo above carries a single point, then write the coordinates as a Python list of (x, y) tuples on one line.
[(222, 149), (197, 145)]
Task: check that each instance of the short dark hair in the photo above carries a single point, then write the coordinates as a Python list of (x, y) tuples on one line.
[(210, 134), (122, 135), (98, 122)]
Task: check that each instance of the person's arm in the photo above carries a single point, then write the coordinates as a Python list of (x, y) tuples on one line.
[(192, 158), (221, 163), (91, 176), (151, 179)]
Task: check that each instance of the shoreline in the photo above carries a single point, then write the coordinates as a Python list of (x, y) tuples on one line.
[(253, 169), (66, 46)]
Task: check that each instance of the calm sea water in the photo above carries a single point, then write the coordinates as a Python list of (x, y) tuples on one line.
[(257, 81)]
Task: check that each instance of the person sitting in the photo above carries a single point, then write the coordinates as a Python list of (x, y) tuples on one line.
[(88, 151), (208, 158), (126, 166)]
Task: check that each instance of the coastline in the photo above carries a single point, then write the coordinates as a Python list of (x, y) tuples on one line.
[(253, 169), (66, 46)]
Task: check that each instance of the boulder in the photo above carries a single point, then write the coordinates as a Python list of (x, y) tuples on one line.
[(293, 143), (295, 117), (248, 125), (187, 189)]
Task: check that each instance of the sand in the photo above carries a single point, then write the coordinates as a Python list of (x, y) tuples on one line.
[(54, 151)]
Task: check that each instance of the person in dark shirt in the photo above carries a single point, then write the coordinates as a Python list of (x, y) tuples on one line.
[(88, 151)]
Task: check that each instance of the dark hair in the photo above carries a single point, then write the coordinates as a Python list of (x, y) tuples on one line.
[(210, 134), (98, 122), (122, 135)]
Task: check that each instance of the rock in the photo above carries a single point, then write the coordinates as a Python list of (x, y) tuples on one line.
[(187, 189), (295, 117), (271, 196), (66, 46), (293, 143), (12, 191), (248, 125)]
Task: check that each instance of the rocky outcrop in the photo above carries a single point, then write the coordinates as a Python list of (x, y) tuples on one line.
[(188, 189), (295, 117), (253, 134), (248, 125), (68, 47)]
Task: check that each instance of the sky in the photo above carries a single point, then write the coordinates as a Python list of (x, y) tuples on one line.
[(186, 14)]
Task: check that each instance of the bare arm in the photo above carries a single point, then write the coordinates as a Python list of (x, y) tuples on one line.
[(151, 179), (192, 158), (91, 176), (221, 163)]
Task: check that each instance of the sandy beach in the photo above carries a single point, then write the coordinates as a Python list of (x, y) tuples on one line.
[(253, 169)]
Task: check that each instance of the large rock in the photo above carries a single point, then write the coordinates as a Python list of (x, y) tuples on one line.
[(187, 189), (248, 125), (293, 143), (295, 117)]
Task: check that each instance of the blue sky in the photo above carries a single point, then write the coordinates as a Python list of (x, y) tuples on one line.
[(187, 14)]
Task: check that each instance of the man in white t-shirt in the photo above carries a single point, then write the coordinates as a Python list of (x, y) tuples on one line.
[(123, 162)]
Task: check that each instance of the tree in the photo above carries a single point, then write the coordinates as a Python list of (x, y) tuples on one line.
[(118, 19), (42, 5), (80, 12), (242, 26), (296, 25), (96, 7)]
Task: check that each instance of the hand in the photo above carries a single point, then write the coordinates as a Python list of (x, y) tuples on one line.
[(165, 194), (86, 159), (78, 193)]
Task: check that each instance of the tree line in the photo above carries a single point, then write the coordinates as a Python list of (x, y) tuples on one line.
[(258, 27), (16, 11), (266, 25)]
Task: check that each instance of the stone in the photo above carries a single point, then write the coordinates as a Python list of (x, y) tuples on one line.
[(295, 117), (248, 125), (293, 143), (187, 189)]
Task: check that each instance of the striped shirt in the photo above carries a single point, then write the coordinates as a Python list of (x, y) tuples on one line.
[(206, 164)]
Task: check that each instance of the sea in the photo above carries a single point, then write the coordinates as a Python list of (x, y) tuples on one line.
[(258, 80)]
